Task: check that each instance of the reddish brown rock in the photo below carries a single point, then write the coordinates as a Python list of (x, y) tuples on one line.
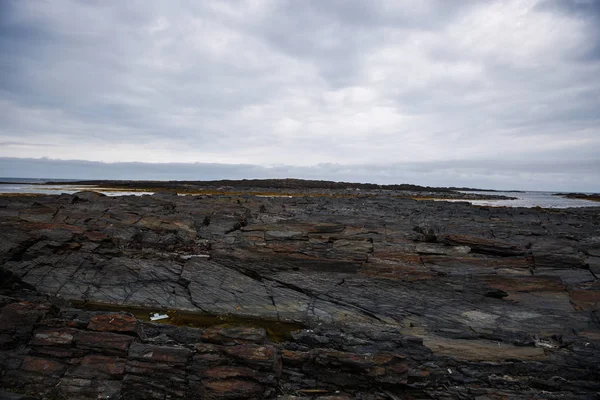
[(125, 323), (395, 373), (232, 389), (255, 355), (387, 358), (104, 342), (147, 368), (587, 300), (290, 357), (42, 366), (42, 226), (227, 372), (525, 283), (396, 256)]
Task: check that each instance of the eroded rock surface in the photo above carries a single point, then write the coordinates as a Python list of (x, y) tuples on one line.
[(400, 298)]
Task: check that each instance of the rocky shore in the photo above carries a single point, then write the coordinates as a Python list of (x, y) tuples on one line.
[(303, 297), (289, 187)]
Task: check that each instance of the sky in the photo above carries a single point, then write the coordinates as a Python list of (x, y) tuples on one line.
[(495, 94)]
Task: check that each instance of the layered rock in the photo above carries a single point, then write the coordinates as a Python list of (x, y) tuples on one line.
[(398, 297)]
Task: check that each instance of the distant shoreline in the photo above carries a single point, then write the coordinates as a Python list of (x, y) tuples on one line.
[(287, 183), (288, 187), (279, 187), (581, 196)]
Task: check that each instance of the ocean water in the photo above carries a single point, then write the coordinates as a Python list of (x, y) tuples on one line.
[(533, 199), (27, 185), (33, 180)]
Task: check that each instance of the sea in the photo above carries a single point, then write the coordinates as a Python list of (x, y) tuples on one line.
[(35, 186), (524, 199), (533, 199)]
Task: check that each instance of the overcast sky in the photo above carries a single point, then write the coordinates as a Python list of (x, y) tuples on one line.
[(500, 94)]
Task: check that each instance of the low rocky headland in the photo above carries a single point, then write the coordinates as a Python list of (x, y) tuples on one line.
[(290, 188), (353, 296), (581, 196)]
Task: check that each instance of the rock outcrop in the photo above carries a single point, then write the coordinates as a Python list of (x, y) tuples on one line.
[(387, 297)]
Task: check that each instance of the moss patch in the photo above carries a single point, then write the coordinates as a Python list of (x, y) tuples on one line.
[(277, 331)]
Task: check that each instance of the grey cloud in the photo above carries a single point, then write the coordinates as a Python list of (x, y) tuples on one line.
[(585, 10), (579, 8), (303, 83), (26, 144)]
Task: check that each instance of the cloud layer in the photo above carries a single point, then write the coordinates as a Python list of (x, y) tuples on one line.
[(501, 87)]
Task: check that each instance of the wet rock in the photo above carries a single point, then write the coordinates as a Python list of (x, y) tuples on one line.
[(234, 335)]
